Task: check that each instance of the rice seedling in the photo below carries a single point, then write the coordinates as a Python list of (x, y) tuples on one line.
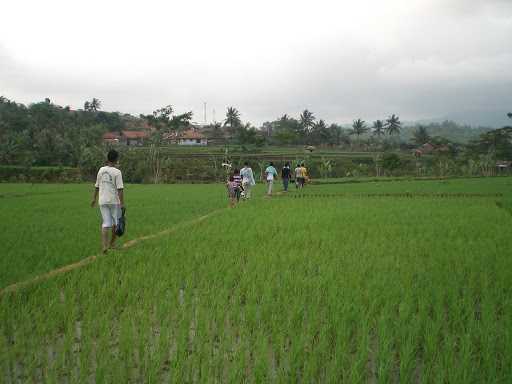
[(353, 289)]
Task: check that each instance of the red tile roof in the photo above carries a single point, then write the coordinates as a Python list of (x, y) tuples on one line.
[(191, 134), (111, 136), (135, 134)]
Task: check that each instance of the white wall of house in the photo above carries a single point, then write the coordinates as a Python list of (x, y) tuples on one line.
[(193, 142)]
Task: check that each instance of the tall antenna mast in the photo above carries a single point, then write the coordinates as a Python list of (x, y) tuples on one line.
[(205, 113)]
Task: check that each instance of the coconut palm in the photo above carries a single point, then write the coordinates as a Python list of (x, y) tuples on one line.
[(509, 115), (378, 128), (307, 120), (421, 135), (358, 127), (393, 125), (95, 104), (232, 117), (284, 118)]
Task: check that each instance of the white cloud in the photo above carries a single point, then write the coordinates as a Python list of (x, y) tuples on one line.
[(340, 58)]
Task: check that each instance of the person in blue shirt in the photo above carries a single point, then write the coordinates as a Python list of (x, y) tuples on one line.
[(270, 175)]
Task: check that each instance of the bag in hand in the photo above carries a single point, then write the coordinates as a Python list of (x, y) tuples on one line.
[(121, 223)]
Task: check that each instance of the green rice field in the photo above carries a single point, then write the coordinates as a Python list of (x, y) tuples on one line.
[(370, 282)]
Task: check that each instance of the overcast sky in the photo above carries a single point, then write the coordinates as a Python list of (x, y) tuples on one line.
[(420, 59)]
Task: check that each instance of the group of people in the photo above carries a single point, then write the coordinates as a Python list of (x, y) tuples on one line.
[(239, 184), (109, 191), (241, 181)]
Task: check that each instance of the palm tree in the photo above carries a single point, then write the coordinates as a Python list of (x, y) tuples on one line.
[(421, 135), (320, 126), (509, 115), (232, 119), (87, 106), (393, 125), (307, 120), (358, 127), (320, 133), (378, 128), (95, 104)]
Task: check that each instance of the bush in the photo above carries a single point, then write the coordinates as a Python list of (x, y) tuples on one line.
[(39, 174)]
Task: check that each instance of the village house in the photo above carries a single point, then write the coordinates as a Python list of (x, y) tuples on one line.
[(503, 166), (128, 138), (111, 138), (170, 137), (134, 138), (192, 137)]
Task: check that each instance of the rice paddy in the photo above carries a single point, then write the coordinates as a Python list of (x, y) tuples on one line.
[(384, 282)]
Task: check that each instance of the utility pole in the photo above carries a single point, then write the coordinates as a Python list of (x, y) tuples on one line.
[(205, 113)]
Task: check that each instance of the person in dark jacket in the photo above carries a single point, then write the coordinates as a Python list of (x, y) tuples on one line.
[(286, 173)]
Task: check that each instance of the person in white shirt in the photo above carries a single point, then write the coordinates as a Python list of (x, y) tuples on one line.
[(109, 187), (270, 174), (247, 179)]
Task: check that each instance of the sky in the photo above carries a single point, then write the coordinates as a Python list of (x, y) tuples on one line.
[(342, 60)]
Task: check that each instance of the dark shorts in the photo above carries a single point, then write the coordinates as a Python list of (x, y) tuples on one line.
[(301, 180)]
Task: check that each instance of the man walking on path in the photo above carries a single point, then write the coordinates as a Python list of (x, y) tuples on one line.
[(270, 174), (304, 171), (247, 179), (298, 177), (286, 173), (109, 187)]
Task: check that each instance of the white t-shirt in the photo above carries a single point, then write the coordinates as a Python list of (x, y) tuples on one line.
[(109, 180), (247, 176)]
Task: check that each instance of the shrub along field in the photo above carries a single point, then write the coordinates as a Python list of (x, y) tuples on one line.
[(348, 283)]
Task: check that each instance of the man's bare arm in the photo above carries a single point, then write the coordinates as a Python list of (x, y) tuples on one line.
[(120, 192), (95, 197)]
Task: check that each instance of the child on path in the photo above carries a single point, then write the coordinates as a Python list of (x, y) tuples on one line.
[(109, 187), (238, 180), (270, 174), (231, 186)]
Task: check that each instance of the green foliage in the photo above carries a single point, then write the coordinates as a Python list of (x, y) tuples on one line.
[(378, 128), (391, 162), (307, 120), (449, 130), (421, 136), (233, 120), (27, 174), (359, 127), (498, 141), (393, 125), (47, 134)]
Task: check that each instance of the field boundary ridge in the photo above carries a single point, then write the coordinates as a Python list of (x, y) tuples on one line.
[(88, 260)]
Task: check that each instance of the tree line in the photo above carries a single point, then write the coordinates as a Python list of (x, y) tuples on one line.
[(44, 133)]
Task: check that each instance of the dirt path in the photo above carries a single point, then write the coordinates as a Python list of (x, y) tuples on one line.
[(88, 260)]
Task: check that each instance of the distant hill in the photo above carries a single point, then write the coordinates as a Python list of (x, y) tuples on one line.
[(447, 129)]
